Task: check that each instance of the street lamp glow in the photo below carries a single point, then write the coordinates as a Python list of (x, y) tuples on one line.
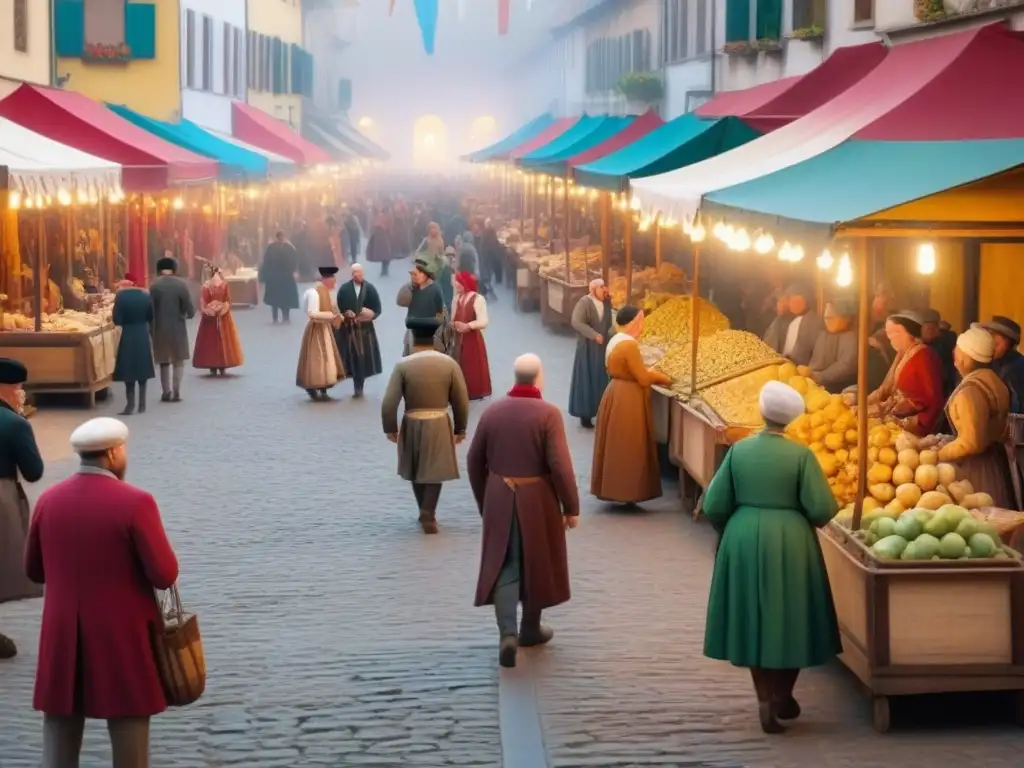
[(826, 260), (926, 259), (844, 275)]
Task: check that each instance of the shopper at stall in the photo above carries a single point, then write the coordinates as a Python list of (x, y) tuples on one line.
[(99, 545), (133, 365), (833, 363), (172, 309), (770, 609), (401, 229), (352, 231), (1007, 361), (217, 344), (277, 273), (625, 466), (320, 365), (429, 383), (379, 248), (421, 298), (522, 478), (943, 342), (359, 305), (469, 318), (794, 332), (592, 321), (977, 412), (912, 390), (492, 255), (468, 258), (19, 460)]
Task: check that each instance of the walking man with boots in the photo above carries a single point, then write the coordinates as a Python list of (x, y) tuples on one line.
[(430, 383), (521, 473), (592, 321), (172, 308)]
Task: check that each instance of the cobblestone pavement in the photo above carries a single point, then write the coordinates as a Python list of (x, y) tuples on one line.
[(338, 635)]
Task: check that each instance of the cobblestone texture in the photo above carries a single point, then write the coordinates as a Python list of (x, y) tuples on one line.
[(338, 635)]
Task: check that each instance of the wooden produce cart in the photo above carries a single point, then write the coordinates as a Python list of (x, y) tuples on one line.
[(244, 289), (59, 363), (558, 299), (897, 645)]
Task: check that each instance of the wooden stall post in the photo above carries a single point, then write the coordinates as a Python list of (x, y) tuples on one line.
[(627, 222), (863, 332), (565, 205), (551, 209), (657, 243), (694, 318), (38, 268), (606, 235), (534, 206)]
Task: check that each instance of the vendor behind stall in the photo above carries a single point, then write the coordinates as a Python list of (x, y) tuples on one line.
[(834, 360), (912, 390), (794, 332), (977, 412), (1007, 362), (943, 342)]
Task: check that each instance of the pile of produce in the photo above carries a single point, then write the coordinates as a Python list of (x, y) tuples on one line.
[(669, 325), (668, 279), (65, 321), (736, 401), (950, 532), (583, 265), (718, 355)]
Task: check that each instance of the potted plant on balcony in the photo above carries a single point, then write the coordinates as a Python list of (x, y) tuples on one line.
[(642, 87), (767, 45), (739, 48), (812, 34)]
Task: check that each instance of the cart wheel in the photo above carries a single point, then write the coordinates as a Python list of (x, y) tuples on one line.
[(880, 714), (1018, 703)]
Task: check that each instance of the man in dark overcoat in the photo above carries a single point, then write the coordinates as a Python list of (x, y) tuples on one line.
[(522, 478), (359, 305), (592, 321), (172, 308), (277, 273)]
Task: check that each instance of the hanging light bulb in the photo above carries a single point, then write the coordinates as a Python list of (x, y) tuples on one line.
[(698, 234), (82, 195), (634, 203), (763, 242), (719, 230), (39, 201), (785, 251), (29, 202), (926, 259), (796, 254), (645, 223), (14, 200), (740, 241), (668, 222), (63, 197), (825, 260), (178, 204), (844, 274)]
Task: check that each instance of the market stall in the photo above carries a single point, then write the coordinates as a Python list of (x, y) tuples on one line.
[(244, 288)]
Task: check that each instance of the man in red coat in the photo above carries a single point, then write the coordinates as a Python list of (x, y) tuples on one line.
[(99, 546), (522, 477)]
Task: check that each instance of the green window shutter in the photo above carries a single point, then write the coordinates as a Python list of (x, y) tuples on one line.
[(295, 82), (737, 20), (140, 30), (307, 89), (769, 19), (275, 66), (69, 28)]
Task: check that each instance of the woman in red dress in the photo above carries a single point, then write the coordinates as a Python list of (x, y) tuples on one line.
[(469, 318), (217, 344)]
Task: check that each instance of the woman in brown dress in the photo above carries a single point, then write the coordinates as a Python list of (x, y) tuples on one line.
[(625, 468), (217, 344), (977, 412)]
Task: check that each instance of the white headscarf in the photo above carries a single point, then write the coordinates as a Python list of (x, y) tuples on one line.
[(780, 403), (977, 344)]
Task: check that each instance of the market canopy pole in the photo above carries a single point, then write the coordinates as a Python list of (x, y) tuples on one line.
[(694, 318), (565, 205), (627, 222), (657, 243), (863, 332), (606, 237)]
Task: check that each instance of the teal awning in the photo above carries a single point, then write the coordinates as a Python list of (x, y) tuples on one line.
[(562, 147), (234, 161), (684, 141), (859, 178), (558, 164), (513, 140)]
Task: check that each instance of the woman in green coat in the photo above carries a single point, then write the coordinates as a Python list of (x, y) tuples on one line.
[(770, 608)]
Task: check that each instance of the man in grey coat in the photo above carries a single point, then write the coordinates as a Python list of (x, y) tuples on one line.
[(834, 360), (793, 333), (592, 321), (172, 308)]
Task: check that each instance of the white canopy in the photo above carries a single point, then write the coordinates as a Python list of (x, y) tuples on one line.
[(37, 165)]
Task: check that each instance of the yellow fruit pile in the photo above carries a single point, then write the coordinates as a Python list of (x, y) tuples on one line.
[(668, 278), (669, 324), (737, 401), (718, 355), (583, 265)]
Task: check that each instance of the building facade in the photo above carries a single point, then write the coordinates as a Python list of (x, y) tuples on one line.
[(120, 52), (25, 50), (213, 53), (280, 71)]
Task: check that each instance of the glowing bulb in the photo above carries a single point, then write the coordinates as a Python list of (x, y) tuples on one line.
[(14, 200), (178, 204), (83, 196), (825, 260), (719, 230), (669, 223), (786, 251), (844, 274), (634, 204), (926, 259), (623, 204), (252, 193), (740, 241), (29, 202), (39, 201), (764, 243), (796, 254), (645, 223), (698, 234), (63, 197)]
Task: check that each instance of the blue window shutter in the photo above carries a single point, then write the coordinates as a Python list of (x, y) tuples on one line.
[(737, 21), (769, 19), (69, 28), (275, 65), (344, 95), (295, 53), (308, 90), (140, 30)]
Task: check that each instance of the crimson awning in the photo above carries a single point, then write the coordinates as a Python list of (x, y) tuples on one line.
[(638, 128), (841, 70), (546, 136), (148, 162), (740, 103), (256, 127)]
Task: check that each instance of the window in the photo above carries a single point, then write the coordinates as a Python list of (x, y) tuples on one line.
[(703, 33), (809, 13), (190, 49), (207, 53), (268, 64), (21, 26), (863, 11), (675, 44), (608, 59), (251, 60), (238, 87), (227, 59)]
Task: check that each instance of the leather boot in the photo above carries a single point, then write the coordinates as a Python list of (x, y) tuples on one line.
[(428, 522), (532, 632), (764, 685), (507, 649), (142, 397), (8, 650), (786, 704), (129, 397)]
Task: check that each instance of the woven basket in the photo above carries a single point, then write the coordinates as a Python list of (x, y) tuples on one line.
[(178, 650)]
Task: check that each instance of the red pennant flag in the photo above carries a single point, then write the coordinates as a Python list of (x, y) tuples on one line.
[(391, 7), (504, 6)]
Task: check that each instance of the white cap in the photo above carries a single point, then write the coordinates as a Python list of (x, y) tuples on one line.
[(780, 403), (977, 343), (100, 434)]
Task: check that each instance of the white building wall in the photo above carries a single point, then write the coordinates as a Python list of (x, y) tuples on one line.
[(206, 100), (324, 29)]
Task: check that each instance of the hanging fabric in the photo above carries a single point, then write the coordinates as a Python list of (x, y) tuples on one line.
[(503, 13), (426, 15)]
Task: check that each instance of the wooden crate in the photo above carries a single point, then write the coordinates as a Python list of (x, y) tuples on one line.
[(558, 299), (245, 293), (937, 628)]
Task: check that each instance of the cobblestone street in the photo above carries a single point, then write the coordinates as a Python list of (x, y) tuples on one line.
[(336, 634)]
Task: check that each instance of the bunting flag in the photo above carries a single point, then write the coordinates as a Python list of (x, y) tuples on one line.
[(426, 15), (503, 12)]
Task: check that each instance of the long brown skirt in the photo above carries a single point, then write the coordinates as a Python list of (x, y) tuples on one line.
[(14, 517), (989, 472), (319, 350)]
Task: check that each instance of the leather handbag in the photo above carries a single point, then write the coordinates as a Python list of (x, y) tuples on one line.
[(178, 648)]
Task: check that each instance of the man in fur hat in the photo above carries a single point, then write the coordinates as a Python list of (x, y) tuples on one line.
[(172, 309)]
